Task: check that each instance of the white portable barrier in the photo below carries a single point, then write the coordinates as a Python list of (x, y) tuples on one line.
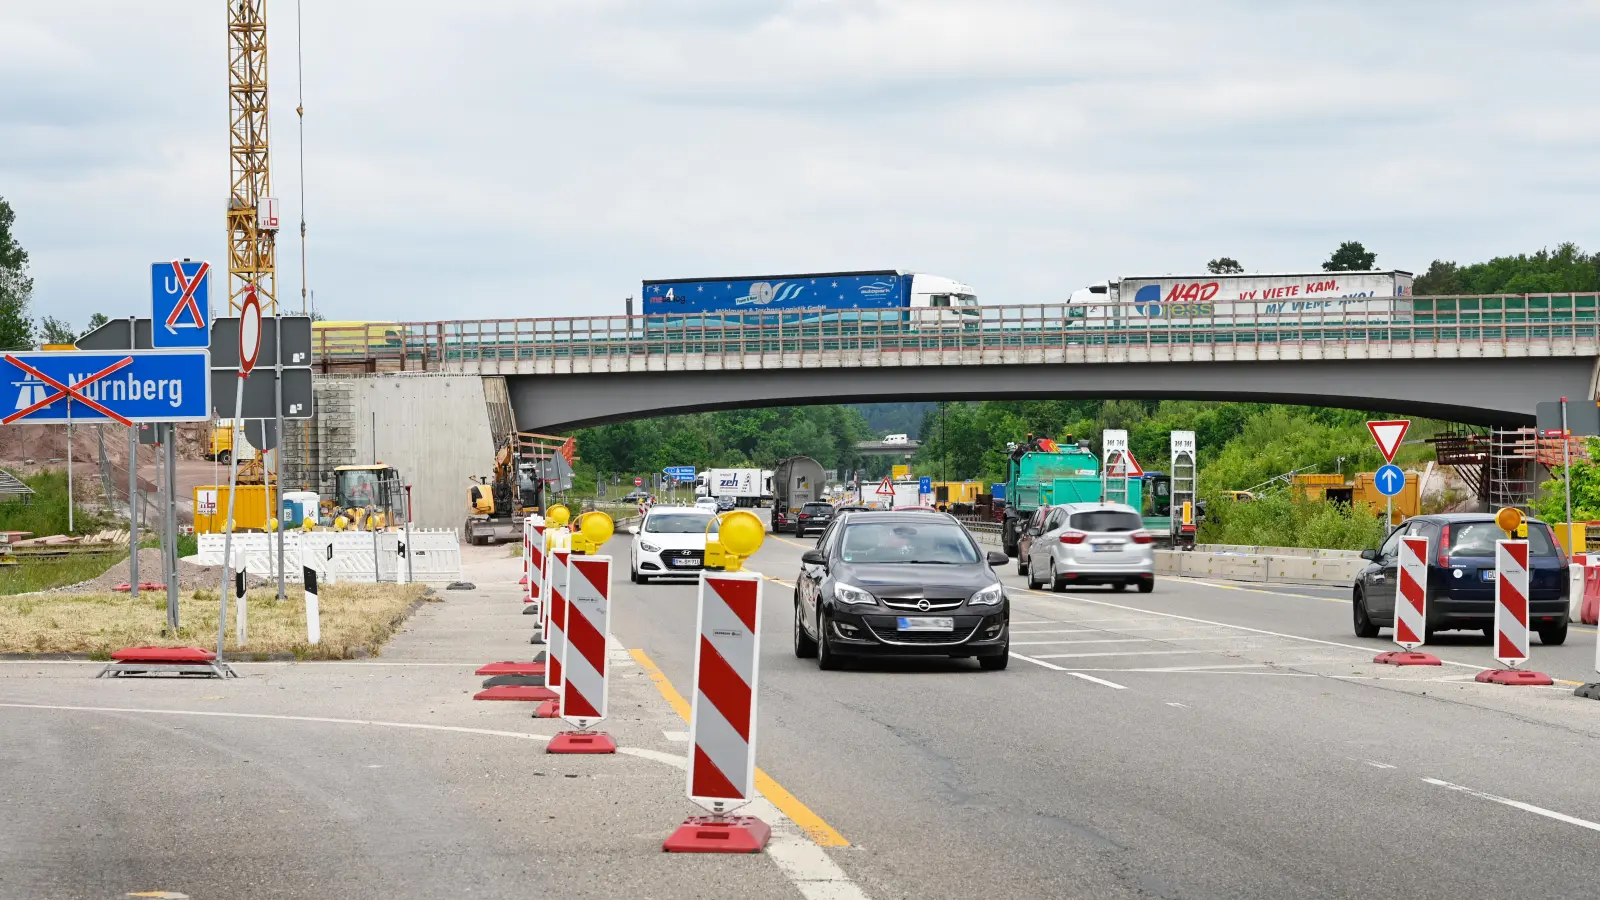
[(344, 555)]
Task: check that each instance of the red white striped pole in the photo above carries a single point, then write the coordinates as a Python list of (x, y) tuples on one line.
[(524, 581), (556, 619), (1411, 607), (534, 554), (1511, 616), (584, 660), (722, 720)]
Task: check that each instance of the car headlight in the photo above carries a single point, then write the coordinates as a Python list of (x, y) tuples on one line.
[(989, 596), (648, 547), (845, 593)]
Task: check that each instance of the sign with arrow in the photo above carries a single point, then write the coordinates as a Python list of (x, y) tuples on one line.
[(180, 304), (1390, 480), (1388, 434)]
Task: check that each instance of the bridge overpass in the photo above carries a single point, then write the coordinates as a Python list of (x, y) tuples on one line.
[(1483, 360), (883, 448)]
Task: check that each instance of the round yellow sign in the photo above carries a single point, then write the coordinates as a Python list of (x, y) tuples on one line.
[(557, 516), (597, 527), (741, 532)]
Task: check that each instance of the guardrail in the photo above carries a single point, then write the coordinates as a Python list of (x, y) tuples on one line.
[(1535, 324)]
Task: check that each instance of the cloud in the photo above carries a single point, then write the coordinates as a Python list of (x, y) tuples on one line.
[(491, 159)]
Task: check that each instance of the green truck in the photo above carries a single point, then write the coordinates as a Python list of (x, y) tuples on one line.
[(1042, 472)]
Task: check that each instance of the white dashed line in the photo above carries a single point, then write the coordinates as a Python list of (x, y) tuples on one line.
[(1518, 804)]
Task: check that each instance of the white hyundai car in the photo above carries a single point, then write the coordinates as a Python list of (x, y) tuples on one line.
[(670, 540)]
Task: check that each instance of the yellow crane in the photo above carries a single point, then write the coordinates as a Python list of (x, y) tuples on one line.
[(252, 210)]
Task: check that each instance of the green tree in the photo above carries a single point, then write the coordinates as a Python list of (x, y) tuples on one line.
[(16, 288), (1350, 257), (1566, 269), (95, 321), (56, 331), (1224, 265)]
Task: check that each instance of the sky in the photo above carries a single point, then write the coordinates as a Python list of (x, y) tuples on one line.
[(505, 158)]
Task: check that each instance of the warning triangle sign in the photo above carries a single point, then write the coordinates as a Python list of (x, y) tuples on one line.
[(1389, 434), (1123, 465), (886, 488)]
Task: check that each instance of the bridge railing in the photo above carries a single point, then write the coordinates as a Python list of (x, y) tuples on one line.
[(747, 338)]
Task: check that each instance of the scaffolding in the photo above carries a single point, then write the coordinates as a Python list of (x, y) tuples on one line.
[(328, 440)]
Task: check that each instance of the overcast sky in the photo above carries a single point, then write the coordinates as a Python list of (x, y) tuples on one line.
[(541, 157)]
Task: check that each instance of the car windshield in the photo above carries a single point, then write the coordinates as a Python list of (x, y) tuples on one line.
[(1477, 539), (1103, 520), (678, 523), (908, 542)]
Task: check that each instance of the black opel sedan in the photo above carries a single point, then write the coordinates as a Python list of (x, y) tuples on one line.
[(900, 584)]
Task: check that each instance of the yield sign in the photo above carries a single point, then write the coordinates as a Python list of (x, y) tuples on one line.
[(1388, 434), (886, 488)]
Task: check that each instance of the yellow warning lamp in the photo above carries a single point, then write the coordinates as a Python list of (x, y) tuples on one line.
[(1510, 521), (557, 517), (308, 524), (594, 529), (340, 523), (272, 525), (739, 536)]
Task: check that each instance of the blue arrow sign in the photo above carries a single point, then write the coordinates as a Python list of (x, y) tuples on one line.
[(681, 473), (1391, 480), (120, 386), (925, 484), (180, 304)]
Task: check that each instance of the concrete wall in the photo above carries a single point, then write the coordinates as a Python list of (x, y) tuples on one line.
[(434, 429), (1489, 391)]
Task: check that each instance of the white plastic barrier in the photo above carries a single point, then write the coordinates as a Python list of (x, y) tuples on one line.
[(344, 555)]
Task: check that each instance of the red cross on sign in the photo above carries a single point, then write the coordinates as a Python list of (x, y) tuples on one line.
[(187, 301), (71, 392)]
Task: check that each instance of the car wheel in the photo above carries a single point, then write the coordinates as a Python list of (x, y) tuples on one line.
[(1119, 587), (1553, 635), (827, 660), (999, 661), (1057, 583), (224, 457), (1033, 584), (633, 575), (1147, 586), (804, 646), (1022, 567), (1364, 626)]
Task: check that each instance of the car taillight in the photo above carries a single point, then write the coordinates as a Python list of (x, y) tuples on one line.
[(1444, 547), (1072, 537), (1143, 537)]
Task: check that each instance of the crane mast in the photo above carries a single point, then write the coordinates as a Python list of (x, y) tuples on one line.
[(252, 211)]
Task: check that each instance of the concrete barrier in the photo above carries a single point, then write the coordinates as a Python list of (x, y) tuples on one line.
[(1249, 550), (1259, 568)]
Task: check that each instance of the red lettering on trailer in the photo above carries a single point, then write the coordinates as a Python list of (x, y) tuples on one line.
[(1193, 292)]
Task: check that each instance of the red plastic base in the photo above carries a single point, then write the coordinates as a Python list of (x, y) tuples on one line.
[(1513, 676), (515, 692), (512, 668), (522, 580), (708, 834), (1407, 658), (125, 587), (547, 710), (582, 742), (164, 655)]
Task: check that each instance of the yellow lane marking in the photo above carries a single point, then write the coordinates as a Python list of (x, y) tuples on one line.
[(793, 543), (1238, 587), (811, 823)]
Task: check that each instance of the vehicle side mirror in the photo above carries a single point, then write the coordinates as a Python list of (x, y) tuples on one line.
[(814, 558), (997, 558), (1371, 555)]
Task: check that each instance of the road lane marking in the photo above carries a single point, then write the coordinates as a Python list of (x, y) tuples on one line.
[(325, 720), (1177, 704), (1250, 590), (812, 824), (1054, 667), (1123, 653), (1518, 804), (1014, 630), (677, 737), (1094, 641)]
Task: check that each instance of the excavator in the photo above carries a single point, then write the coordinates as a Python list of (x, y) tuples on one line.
[(364, 497), (497, 504)]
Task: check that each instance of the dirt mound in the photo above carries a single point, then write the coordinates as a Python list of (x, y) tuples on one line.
[(190, 576)]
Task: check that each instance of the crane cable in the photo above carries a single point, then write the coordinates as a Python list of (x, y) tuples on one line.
[(300, 114)]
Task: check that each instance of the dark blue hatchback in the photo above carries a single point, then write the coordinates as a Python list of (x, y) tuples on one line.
[(1461, 577)]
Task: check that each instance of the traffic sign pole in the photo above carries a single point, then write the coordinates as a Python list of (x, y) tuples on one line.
[(249, 349)]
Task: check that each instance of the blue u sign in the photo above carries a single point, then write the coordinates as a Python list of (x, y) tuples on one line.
[(180, 298), (1391, 480), (122, 386)]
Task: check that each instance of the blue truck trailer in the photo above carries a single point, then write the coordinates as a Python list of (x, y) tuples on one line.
[(809, 296)]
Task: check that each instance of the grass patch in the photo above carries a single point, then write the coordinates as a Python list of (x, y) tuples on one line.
[(357, 620), (46, 572), (46, 512), (188, 544)]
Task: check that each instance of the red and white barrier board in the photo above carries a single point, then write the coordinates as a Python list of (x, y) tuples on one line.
[(533, 552), (1511, 602), (556, 620), (1411, 595), (584, 685), (722, 720)]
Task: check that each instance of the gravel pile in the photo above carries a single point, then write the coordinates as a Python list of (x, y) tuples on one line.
[(190, 576)]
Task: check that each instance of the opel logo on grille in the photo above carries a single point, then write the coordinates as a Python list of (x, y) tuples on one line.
[(924, 605)]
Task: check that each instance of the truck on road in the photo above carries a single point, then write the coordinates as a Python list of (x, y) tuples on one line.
[(796, 481), (807, 294), (1302, 299), (745, 486)]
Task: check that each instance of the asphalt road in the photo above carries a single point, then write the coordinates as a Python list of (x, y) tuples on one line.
[(1149, 747), (1206, 740)]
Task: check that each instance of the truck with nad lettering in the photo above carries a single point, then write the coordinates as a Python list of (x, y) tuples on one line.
[(1177, 301)]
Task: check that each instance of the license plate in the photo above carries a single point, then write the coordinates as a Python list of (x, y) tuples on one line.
[(686, 562), (1486, 574), (1107, 548), (927, 623)]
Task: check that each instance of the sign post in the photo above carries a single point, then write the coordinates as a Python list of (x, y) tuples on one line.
[(249, 348), (1388, 433)]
